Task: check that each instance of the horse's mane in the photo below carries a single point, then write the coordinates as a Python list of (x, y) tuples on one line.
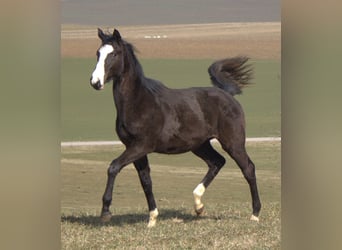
[(152, 85), (130, 50)]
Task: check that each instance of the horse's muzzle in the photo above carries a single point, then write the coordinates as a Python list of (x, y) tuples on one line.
[(96, 85)]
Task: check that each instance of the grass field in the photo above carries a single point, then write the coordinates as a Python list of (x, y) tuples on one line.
[(225, 224), (90, 115)]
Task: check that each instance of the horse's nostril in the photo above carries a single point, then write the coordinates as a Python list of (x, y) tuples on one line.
[(96, 85)]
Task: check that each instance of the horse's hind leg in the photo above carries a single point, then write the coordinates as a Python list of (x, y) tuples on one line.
[(143, 168), (240, 156), (215, 162)]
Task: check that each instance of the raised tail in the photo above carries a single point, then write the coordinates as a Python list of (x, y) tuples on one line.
[(231, 74)]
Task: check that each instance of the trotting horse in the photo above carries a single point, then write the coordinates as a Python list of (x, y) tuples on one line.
[(154, 118)]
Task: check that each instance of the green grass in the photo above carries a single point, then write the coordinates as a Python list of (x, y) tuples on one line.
[(225, 224), (90, 115), (224, 228)]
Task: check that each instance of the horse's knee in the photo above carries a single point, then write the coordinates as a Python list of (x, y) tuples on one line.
[(113, 169)]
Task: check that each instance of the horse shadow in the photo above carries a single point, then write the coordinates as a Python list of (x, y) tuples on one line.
[(177, 216)]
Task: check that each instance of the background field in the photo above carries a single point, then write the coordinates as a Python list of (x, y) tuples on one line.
[(90, 115), (179, 61), (186, 41), (225, 224)]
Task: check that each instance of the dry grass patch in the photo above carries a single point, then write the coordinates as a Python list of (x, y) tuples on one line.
[(257, 40)]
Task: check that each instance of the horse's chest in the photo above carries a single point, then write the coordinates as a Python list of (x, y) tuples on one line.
[(125, 132), (133, 129)]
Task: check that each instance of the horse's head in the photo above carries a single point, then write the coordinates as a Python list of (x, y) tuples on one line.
[(109, 59)]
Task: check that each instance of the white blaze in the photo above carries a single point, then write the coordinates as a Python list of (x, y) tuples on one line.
[(99, 72), (198, 193)]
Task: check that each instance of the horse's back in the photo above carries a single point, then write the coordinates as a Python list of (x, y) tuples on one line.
[(195, 115), (208, 103)]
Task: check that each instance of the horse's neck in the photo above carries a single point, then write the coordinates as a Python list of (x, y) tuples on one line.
[(126, 91), (128, 87)]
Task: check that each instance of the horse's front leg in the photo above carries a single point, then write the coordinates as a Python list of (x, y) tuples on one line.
[(127, 157), (143, 168)]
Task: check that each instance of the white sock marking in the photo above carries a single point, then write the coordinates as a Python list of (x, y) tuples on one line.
[(198, 193), (254, 218), (99, 72), (153, 218)]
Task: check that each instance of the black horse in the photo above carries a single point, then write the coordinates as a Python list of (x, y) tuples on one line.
[(154, 118)]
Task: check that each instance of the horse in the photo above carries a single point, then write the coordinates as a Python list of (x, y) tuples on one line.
[(154, 118)]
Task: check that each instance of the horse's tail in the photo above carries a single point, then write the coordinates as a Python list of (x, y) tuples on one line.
[(231, 74)]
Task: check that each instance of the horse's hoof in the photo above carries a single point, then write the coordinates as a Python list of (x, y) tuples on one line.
[(105, 217), (199, 211), (254, 218), (151, 223)]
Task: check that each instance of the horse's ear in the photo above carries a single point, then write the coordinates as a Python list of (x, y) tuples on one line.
[(116, 35), (100, 34)]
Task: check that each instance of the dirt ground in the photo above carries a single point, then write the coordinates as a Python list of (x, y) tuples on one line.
[(255, 40)]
